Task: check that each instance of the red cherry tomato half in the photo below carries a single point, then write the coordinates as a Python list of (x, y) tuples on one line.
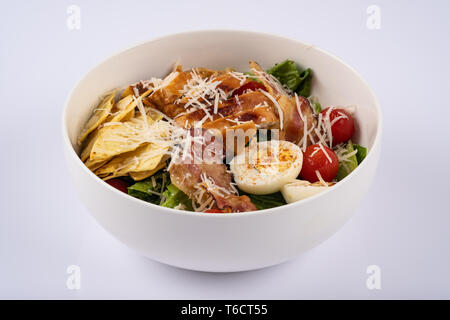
[(314, 158), (252, 86), (119, 184), (343, 129), (214, 211)]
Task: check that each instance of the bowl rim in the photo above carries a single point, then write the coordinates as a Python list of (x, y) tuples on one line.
[(370, 155)]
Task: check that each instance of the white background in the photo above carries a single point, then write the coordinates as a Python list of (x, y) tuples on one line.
[(402, 226)]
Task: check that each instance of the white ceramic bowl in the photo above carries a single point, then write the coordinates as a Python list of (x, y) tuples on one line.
[(223, 242)]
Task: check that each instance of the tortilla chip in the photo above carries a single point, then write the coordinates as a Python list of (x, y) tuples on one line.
[(145, 158), (120, 106), (100, 114), (117, 138), (113, 140), (88, 145), (94, 165), (128, 116), (125, 111), (137, 176), (151, 157), (92, 137), (128, 91), (155, 116), (120, 165)]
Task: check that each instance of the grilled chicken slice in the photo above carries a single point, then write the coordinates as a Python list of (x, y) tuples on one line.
[(261, 117), (210, 73), (293, 128), (170, 98), (170, 92), (229, 83), (228, 108), (248, 112)]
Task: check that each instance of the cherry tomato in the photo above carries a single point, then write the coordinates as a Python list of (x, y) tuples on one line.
[(214, 211), (119, 184), (343, 129), (252, 86), (315, 159)]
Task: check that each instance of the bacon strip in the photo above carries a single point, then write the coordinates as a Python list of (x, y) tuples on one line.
[(294, 126), (235, 203), (188, 176)]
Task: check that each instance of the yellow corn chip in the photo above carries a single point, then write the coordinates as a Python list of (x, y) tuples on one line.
[(94, 165), (137, 176), (119, 107), (88, 146), (113, 140), (150, 157), (100, 114), (128, 116), (127, 92), (145, 158), (125, 111), (119, 165), (118, 138), (155, 116)]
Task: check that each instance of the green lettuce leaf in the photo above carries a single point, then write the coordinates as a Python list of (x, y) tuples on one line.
[(145, 189), (304, 89), (317, 107), (289, 74), (174, 196), (345, 167), (266, 201), (315, 104), (362, 152)]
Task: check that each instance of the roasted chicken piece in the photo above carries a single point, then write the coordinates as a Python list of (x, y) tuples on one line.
[(164, 99), (226, 109), (211, 73), (171, 97), (261, 117), (229, 83), (247, 112), (293, 128)]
